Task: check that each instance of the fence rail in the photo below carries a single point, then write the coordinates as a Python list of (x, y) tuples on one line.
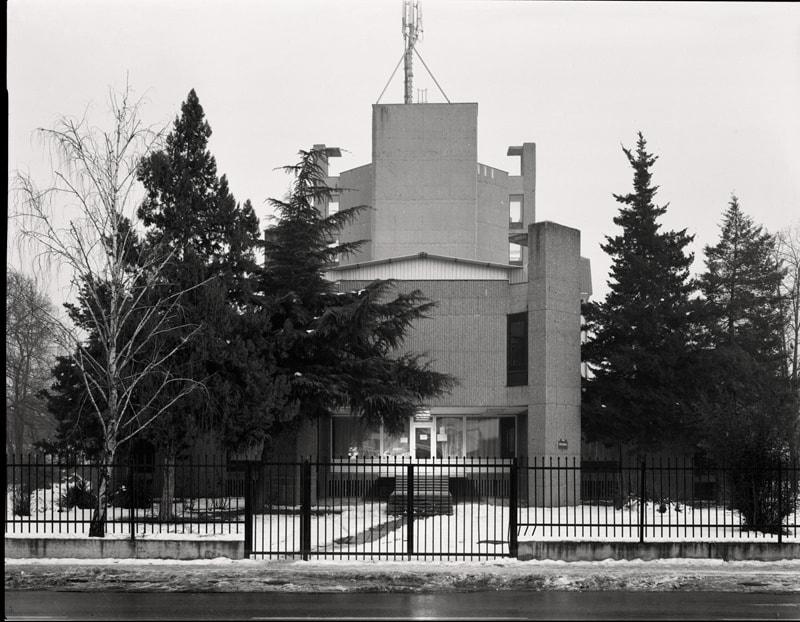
[(370, 508)]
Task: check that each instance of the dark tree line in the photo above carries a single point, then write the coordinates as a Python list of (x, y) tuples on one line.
[(698, 365)]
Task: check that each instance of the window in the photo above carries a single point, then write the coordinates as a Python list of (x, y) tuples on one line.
[(353, 438), (517, 344), (514, 254), (449, 436), (515, 209)]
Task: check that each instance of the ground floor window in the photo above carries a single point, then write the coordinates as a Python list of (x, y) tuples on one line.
[(440, 436)]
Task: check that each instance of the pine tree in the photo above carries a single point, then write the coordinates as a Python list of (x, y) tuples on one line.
[(338, 349), (747, 406), (639, 337), (212, 239)]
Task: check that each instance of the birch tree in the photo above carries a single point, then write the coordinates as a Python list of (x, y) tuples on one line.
[(84, 220)]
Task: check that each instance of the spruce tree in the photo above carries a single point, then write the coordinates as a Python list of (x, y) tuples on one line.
[(741, 286), (639, 337), (338, 349), (747, 406)]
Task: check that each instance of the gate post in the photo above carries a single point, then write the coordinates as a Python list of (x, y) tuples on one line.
[(642, 491), (305, 509), (513, 509), (410, 510), (248, 509), (780, 504)]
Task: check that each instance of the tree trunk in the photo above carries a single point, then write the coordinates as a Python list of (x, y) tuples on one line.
[(165, 511), (97, 527)]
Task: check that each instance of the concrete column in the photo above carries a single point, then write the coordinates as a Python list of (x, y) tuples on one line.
[(554, 320)]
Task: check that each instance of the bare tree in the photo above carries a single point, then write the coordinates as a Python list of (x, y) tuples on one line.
[(788, 250), (120, 320), (30, 354)]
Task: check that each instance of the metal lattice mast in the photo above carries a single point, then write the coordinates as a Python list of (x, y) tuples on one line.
[(412, 29)]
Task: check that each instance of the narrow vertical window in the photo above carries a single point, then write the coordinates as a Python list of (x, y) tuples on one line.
[(517, 357), (514, 254), (515, 208)]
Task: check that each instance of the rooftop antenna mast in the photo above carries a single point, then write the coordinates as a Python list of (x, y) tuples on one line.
[(412, 29)]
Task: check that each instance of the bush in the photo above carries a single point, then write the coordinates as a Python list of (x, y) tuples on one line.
[(79, 495), (21, 501), (140, 497), (762, 497)]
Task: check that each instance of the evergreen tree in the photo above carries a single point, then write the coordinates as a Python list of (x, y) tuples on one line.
[(212, 241), (640, 337), (339, 349), (741, 286), (747, 406)]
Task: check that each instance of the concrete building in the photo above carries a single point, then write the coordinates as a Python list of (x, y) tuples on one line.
[(508, 289)]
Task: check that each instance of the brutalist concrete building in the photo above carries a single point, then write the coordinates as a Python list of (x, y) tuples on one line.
[(508, 289)]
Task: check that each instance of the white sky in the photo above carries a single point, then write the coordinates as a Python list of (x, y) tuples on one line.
[(715, 88)]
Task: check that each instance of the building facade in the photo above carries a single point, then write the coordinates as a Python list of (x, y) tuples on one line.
[(508, 290)]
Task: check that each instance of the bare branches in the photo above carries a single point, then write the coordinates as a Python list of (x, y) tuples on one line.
[(84, 220)]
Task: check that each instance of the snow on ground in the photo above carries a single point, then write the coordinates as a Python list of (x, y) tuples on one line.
[(409, 576)]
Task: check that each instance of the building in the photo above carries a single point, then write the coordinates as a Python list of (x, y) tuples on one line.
[(508, 289)]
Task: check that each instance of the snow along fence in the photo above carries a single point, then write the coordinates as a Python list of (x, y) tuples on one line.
[(405, 509)]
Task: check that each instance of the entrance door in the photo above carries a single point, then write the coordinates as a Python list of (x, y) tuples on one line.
[(422, 440)]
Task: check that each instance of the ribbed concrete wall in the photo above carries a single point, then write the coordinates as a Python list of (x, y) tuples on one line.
[(466, 337)]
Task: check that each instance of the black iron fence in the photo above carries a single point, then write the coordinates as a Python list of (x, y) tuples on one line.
[(402, 509), (57, 495)]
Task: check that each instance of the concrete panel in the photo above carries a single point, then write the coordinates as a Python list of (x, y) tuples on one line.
[(554, 346), (100, 548), (358, 185), (425, 196), (648, 551)]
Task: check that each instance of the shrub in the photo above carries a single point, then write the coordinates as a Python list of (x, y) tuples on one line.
[(140, 497), (21, 501), (762, 497), (78, 495)]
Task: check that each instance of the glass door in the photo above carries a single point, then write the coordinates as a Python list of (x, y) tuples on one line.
[(422, 440)]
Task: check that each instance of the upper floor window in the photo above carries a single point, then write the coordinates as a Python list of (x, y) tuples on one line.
[(517, 343), (515, 207)]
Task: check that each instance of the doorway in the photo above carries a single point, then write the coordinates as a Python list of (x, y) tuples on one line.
[(422, 440)]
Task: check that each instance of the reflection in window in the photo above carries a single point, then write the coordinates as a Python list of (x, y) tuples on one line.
[(353, 438), (450, 436), (456, 437), (396, 444)]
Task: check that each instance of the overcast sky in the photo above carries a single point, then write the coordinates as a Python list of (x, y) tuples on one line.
[(715, 89)]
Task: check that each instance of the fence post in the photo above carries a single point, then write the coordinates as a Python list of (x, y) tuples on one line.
[(305, 510), (642, 492), (410, 510), (131, 499), (248, 509), (780, 504), (513, 503)]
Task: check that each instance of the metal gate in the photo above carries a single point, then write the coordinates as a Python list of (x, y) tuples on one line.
[(378, 509)]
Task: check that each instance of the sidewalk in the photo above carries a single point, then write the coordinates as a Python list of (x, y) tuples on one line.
[(225, 575)]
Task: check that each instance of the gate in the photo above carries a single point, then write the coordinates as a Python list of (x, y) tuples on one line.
[(379, 509)]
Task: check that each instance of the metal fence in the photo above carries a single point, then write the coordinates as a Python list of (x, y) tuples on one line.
[(402, 509), (659, 499), (56, 496)]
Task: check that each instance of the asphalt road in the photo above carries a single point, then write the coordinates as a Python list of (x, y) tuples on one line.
[(496, 605)]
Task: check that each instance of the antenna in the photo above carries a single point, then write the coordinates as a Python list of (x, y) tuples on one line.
[(412, 29)]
